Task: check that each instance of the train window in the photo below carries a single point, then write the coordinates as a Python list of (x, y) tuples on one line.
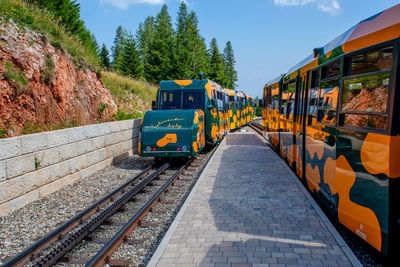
[(284, 99), (328, 97), (377, 60), (192, 100), (313, 106), (275, 102), (366, 120), (314, 78), (331, 70), (291, 96), (182, 100), (292, 87), (171, 100), (366, 93), (291, 106)]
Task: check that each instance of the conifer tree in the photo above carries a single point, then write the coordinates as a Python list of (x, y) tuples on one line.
[(161, 50), (67, 12), (94, 44), (144, 36), (197, 49), (182, 64), (129, 62), (105, 57), (116, 49), (229, 64), (216, 61)]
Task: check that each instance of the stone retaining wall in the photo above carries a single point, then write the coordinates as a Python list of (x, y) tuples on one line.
[(36, 165)]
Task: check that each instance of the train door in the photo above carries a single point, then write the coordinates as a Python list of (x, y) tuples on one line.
[(286, 114), (301, 104), (326, 139), (214, 116), (312, 151)]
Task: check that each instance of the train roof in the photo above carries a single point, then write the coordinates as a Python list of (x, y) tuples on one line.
[(187, 84), (379, 28), (276, 80)]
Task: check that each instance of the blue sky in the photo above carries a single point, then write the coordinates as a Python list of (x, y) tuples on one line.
[(268, 36)]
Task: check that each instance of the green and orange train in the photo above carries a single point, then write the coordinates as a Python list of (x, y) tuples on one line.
[(334, 118), (188, 114)]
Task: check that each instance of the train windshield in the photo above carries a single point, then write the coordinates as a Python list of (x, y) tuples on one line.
[(182, 99)]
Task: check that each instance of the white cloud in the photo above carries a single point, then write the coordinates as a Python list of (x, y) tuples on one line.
[(292, 2), (330, 6), (124, 4)]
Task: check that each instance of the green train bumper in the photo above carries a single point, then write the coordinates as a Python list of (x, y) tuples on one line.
[(171, 133)]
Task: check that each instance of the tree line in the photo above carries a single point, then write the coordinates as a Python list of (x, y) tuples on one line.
[(158, 52)]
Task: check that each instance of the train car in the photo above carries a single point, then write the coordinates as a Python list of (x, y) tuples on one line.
[(187, 115), (234, 109), (250, 108), (334, 118)]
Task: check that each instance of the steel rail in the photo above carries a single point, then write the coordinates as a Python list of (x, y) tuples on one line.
[(104, 255), (256, 127), (29, 254), (73, 239)]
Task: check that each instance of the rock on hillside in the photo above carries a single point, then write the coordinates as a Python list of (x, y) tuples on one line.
[(42, 88)]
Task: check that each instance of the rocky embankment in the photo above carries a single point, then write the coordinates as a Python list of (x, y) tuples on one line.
[(42, 88)]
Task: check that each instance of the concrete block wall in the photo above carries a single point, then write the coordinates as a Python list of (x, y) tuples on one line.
[(36, 165)]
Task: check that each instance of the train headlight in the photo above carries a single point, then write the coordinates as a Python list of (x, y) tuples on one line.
[(148, 149), (184, 148)]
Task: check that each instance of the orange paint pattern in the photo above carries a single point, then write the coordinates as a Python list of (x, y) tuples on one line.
[(361, 220), (313, 177), (314, 146), (380, 154), (167, 139), (183, 82)]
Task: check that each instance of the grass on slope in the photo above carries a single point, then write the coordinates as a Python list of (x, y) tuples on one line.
[(44, 22), (133, 97)]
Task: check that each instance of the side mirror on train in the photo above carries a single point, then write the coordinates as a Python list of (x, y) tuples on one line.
[(153, 105), (213, 102), (260, 103)]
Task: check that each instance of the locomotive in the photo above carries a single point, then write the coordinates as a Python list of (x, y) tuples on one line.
[(188, 115), (334, 119)]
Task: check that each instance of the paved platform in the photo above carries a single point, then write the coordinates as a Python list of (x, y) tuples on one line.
[(249, 209)]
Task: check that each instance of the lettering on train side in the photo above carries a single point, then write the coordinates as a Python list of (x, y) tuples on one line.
[(168, 121)]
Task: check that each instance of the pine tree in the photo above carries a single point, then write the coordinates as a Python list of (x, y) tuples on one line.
[(116, 49), (197, 48), (94, 44), (182, 57), (161, 50), (229, 63), (105, 57), (67, 12), (130, 63), (144, 36), (216, 68)]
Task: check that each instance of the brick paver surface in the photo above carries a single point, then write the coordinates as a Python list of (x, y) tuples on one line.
[(249, 211)]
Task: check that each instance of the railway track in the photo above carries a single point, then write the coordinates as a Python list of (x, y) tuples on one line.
[(256, 127), (133, 200)]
